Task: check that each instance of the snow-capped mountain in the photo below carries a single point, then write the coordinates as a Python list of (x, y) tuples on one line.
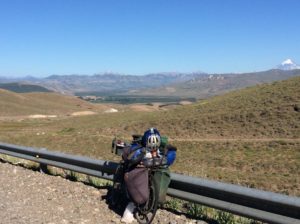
[(288, 64)]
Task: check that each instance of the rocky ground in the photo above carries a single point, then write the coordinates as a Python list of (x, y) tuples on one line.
[(28, 197)]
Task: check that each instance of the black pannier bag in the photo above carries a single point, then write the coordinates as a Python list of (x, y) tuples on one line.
[(137, 184)]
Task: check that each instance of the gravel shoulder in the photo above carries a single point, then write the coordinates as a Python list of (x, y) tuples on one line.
[(29, 197)]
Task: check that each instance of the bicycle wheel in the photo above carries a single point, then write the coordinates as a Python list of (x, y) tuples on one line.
[(145, 213)]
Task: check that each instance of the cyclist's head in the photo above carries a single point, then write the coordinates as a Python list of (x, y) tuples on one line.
[(151, 139)]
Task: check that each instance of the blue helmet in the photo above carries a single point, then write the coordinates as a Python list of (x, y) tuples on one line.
[(151, 138)]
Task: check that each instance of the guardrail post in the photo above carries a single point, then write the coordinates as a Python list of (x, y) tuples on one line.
[(43, 166)]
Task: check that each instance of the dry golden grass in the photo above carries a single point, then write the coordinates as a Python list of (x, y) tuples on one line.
[(24, 104)]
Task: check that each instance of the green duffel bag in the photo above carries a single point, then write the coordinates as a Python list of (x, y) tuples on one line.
[(162, 180)]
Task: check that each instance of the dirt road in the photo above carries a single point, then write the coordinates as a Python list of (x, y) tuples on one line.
[(30, 197)]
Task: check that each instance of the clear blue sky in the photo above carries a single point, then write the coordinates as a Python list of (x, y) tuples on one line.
[(45, 37)]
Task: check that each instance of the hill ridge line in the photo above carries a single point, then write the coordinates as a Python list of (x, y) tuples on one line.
[(221, 139)]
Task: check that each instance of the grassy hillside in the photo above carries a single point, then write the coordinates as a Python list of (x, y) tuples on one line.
[(267, 110), (263, 111), (248, 137), (23, 88), (17, 104)]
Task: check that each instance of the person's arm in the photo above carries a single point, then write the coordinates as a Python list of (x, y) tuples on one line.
[(135, 161)]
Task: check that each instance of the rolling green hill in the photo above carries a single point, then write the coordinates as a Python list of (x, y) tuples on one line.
[(266, 110), (263, 111)]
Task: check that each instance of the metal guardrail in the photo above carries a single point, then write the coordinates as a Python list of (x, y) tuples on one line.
[(252, 203)]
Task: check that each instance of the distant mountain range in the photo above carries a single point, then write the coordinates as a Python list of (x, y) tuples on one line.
[(198, 85), (288, 64), (113, 83), (216, 84), (105, 83)]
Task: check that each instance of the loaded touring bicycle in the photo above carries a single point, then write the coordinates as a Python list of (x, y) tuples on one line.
[(142, 176)]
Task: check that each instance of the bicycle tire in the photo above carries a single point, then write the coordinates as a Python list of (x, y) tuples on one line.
[(146, 213)]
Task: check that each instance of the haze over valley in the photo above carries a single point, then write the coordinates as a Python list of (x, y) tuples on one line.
[(161, 87)]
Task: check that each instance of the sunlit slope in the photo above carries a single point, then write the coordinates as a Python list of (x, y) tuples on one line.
[(17, 104), (268, 110), (264, 111)]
